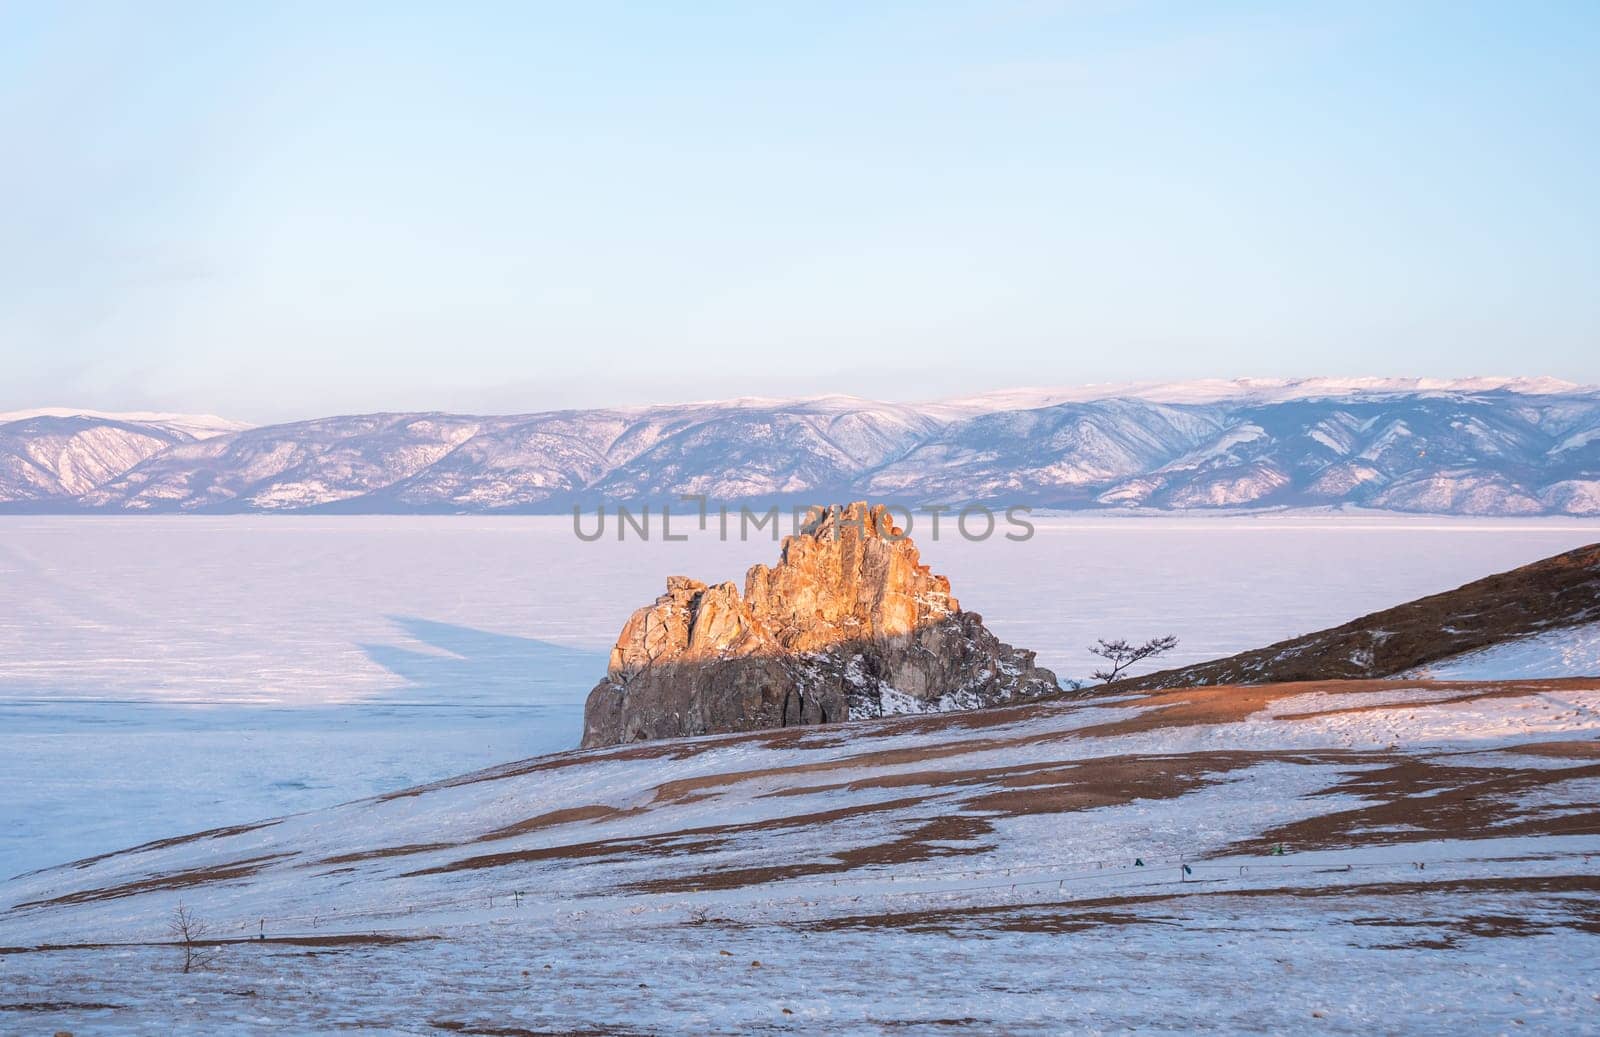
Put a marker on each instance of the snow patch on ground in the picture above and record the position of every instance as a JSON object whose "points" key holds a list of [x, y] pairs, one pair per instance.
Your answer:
{"points": [[1568, 652]]}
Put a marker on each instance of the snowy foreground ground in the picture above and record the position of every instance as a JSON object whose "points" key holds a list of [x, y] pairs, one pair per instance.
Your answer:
{"points": [[1072, 866]]}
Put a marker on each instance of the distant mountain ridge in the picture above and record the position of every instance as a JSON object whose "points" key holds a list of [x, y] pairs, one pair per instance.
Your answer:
{"points": [[55, 454], [1470, 447]]}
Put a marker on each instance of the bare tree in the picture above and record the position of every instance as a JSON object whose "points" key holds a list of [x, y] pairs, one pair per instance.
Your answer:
{"points": [[1121, 655], [191, 934]]}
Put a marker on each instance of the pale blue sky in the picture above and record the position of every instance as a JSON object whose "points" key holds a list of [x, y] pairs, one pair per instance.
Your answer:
{"points": [[277, 210]]}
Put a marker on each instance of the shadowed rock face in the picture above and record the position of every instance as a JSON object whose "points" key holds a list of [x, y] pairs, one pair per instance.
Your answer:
{"points": [[848, 624]]}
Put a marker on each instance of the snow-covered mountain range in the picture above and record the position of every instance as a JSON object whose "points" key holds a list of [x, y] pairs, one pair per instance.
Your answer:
{"points": [[55, 454], [1475, 446]]}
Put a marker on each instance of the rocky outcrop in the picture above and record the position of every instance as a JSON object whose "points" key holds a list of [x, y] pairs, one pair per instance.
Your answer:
{"points": [[849, 624]]}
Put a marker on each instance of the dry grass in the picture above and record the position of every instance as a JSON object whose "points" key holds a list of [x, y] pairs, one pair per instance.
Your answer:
{"points": [[1414, 800], [1575, 750], [335, 940], [1572, 902], [171, 880], [162, 844]]}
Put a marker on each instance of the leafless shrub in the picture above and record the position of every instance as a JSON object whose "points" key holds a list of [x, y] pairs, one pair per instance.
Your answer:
{"points": [[193, 935], [703, 916], [1121, 655]]}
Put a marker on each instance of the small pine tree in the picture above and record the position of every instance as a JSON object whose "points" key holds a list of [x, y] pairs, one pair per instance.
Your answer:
{"points": [[1121, 655]]}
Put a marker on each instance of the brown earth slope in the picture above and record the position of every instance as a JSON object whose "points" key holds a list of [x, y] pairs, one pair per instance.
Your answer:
{"points": [[1557, 592]]}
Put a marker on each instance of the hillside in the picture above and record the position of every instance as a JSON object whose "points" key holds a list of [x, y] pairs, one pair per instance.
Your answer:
{"points": [[1552, 598], [1474, 446], [1026, 869]]}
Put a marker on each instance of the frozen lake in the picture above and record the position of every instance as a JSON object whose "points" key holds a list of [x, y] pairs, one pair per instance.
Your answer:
{"points": [[166, 674]]}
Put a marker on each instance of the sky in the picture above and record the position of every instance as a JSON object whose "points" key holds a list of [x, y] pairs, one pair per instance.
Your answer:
{"points": [[282, 210]]}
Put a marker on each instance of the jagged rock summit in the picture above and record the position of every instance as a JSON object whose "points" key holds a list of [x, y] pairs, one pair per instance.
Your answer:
{"points": [[849, 624]]}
